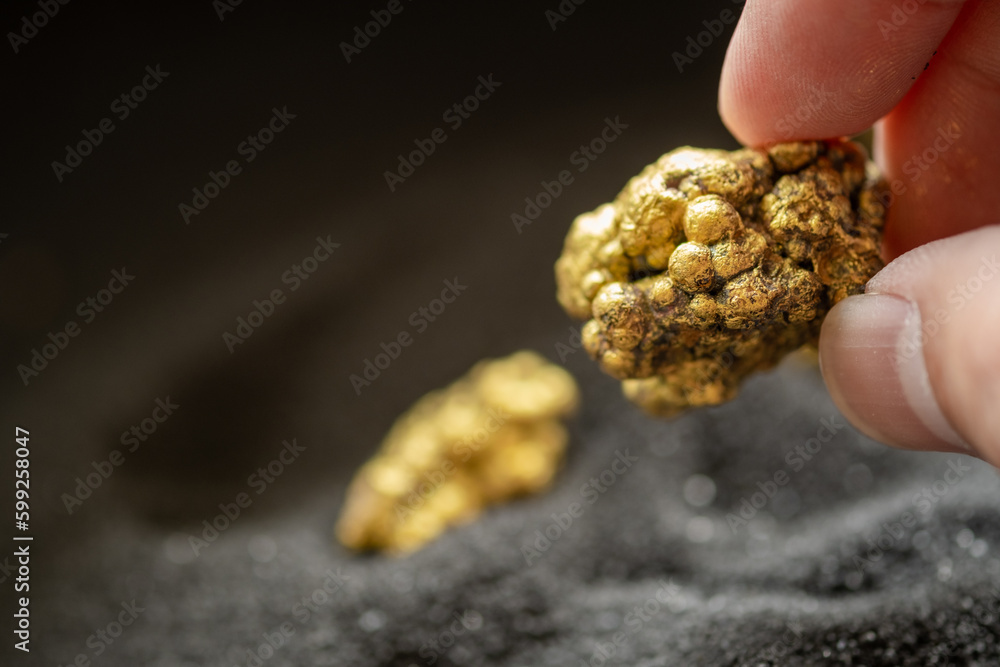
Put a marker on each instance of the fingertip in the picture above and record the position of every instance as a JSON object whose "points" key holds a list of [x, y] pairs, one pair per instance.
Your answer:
{"points": [[736, 75], [796, 70], [877, 379], [914, 362]]}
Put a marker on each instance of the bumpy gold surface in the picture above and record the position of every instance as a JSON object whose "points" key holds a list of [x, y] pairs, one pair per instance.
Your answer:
{"points": [[711, 264], [492, 435]]}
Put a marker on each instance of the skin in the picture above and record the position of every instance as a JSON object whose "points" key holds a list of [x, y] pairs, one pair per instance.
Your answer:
{"points": [[929, 80]]}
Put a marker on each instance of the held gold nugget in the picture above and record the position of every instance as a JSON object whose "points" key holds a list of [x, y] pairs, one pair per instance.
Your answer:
{"points": [[711, 264], [492, 435], [708, 266]]}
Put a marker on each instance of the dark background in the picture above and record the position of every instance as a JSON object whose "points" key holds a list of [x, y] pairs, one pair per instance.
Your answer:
{"points": [[323, 176]]}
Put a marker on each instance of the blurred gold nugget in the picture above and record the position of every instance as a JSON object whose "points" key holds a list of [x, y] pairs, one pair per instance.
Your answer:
{"points": [[712, 264], [492, 435]]}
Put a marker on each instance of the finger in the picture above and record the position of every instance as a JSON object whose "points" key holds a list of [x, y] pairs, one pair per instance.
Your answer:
{"points": [[826, 68], [915, 361], [938, 147]]}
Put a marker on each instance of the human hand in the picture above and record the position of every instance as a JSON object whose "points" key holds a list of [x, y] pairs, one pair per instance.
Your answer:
{"points": [[915, 361]]}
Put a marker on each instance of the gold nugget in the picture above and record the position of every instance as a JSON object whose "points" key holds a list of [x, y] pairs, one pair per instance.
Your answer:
{"points": [[490, 436], [711, 265]]}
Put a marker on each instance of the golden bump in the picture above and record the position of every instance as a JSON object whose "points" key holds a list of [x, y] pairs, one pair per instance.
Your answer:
{"points": [[729, 261]]}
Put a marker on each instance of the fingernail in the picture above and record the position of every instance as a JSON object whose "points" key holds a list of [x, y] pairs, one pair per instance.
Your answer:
{"points": [[872, 359]]}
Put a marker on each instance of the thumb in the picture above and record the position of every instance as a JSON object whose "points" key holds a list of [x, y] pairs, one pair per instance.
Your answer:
{"points": [[915, 361]]}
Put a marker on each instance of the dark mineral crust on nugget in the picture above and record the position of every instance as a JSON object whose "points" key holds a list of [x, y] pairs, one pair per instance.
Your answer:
{"points": [[712, 264]]}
